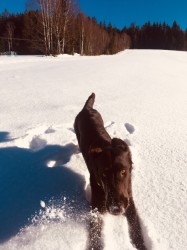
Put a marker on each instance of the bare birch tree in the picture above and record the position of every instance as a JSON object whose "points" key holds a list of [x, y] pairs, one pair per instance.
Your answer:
{"points": [[10, 33], [56, 14], [67, 13], [46, 7], [81, 27], [63, 11]]}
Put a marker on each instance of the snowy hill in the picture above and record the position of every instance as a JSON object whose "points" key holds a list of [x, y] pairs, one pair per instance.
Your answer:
{"points": [[142, 97]]}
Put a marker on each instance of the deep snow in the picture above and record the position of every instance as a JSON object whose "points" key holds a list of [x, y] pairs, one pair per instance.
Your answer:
{"points": [[142, 96]]}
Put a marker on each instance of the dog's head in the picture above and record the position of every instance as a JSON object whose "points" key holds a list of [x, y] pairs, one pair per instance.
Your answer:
{"points": [[112, 169]]}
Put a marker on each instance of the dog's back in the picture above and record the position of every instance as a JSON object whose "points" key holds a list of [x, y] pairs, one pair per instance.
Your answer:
{"points": [[89, 128]]}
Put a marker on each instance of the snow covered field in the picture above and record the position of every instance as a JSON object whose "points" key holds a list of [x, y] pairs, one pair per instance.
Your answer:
{"points": [[142, 97]]}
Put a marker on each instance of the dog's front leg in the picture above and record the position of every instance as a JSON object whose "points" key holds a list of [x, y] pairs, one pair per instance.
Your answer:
{"points": [[95, 241], [98, 196], [95, 228], [134, 227]]}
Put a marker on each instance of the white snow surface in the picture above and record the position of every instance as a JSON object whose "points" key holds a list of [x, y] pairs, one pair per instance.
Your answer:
{"points": [[142, 97]]}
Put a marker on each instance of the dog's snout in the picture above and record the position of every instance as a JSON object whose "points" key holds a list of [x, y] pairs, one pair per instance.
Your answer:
{"points": [[118, 207], [116, 210]]}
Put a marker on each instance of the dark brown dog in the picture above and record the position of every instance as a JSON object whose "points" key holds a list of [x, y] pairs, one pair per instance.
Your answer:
{"points": [[109, 164]]}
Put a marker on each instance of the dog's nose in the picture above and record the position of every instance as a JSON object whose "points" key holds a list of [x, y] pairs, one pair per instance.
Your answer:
{"points": [[115, 210]]}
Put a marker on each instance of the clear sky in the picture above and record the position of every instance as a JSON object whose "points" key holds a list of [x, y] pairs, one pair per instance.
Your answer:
{"points": [[123, 12]]}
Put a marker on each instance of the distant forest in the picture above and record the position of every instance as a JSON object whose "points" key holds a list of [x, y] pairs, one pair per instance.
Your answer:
{"points": [[157, 36], [52, 27]]}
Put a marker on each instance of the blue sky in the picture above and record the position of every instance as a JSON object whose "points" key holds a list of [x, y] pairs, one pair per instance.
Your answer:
{"points": [[123, 12]]}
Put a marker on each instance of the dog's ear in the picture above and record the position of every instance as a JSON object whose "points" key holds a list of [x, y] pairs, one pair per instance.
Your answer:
{"points": [[95, 150], [121, 146], [118, 143]]}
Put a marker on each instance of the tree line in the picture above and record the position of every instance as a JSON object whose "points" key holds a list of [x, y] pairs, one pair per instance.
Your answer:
{"points": [[157, 36], [53, 27]]}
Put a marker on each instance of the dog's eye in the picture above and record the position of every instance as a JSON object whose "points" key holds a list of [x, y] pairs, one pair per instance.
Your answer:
{"points": [[122, 173]]}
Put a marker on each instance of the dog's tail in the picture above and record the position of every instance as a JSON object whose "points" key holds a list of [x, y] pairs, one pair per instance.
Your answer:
{"points": [[90, 102]]}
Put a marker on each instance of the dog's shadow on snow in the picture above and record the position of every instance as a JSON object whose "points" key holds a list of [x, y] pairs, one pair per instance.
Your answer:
{"points": [[25, 180]]}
